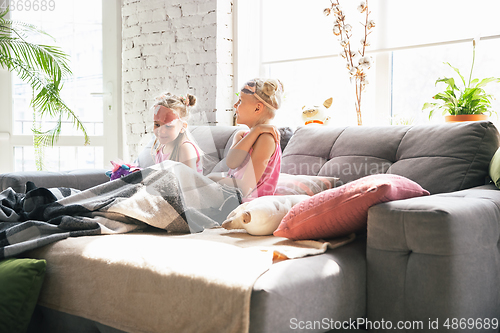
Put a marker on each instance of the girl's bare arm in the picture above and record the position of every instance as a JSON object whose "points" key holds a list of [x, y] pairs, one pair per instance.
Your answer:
{"points": [[263, 149], [241, 146], [187, 155]]}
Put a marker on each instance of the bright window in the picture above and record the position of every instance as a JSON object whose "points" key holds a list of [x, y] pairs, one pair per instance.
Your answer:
{"points": [[414, 85], [76, 27], [93, 92], [409, 44], [59, 158]]}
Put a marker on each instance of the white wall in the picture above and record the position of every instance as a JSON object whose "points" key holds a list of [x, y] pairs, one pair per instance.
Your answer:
{"points": [[176, 46]]}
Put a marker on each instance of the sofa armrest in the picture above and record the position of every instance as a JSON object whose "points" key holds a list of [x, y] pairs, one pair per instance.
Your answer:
{"points": [[78, 179], [435, 257]]}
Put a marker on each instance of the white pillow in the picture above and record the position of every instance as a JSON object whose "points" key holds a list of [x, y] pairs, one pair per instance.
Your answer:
{"points": [[262, 215]]}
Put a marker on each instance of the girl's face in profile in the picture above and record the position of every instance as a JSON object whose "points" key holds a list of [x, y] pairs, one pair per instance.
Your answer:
{"points": [[245, 107]]}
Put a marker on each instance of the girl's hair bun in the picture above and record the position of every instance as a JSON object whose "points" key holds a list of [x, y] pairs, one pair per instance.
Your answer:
{"points": [[178, 103], [270, 86], [192, 99]]}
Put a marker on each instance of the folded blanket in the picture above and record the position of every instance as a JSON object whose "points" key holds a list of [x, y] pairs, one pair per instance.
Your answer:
{"points": [[169, 196]]}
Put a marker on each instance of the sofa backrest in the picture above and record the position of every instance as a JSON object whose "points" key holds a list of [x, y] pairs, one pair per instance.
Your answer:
{"points": [[215, 142], [441, 158]]}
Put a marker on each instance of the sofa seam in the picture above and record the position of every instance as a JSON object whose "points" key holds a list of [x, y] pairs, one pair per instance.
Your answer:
{"points": [[399, 144], [475, 156], [333, 144], [406, 268]]}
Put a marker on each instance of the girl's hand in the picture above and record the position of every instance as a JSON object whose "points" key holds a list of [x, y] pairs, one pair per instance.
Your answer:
{"points": [[237, 137], [265, 128]]}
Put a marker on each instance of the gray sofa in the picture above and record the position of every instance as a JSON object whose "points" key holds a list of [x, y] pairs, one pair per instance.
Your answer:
{"points": [[420, 260]]}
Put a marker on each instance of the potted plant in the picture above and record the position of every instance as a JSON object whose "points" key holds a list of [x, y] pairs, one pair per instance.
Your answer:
{"points": [[469, 102], [43, 67]]}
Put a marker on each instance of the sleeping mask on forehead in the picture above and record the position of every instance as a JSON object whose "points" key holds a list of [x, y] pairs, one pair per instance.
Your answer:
{"points": [[164, 114]]}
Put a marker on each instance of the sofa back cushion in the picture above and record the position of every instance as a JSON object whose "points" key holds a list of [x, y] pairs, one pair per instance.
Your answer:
{"points": [[215, 142], [79, 179], [441, 158]]}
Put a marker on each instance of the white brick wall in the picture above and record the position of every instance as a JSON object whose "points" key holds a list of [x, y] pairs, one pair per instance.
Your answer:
{"points": [[180, 47]]}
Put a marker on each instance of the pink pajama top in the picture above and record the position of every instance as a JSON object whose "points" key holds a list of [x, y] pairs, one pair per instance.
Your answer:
{"points": [[160, 157], [267, 183]]}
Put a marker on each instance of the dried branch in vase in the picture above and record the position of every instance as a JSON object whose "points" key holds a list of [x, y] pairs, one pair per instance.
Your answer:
{"points": [[357, 62]]}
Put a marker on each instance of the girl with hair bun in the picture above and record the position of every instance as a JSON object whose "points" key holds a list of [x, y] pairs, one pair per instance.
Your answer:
{"points": [[254, 159], [173, 140]]}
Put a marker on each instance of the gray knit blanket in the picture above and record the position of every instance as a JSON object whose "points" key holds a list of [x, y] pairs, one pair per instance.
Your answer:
{"points": [[168, 196]]}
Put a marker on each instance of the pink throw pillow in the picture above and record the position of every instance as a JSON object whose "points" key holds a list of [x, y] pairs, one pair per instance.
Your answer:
{"points": [[343, 210]]}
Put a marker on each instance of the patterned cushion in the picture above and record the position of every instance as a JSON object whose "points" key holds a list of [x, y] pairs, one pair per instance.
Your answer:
{"points": [[300, 184]]}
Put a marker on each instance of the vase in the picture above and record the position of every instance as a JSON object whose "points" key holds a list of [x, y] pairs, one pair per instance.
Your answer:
{"points": [[465, 117]]}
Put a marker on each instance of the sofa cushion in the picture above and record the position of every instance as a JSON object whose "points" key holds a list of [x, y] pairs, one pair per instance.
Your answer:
{"points": [[343, 210], [441, 158], [223, 144], [80, 179], [286, 134], [145, 159], [20, 284]]}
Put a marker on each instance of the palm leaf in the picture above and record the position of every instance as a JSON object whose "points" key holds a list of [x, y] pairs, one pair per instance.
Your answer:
{"points": [[43, 68], [50, 101], [47, 59], [17, 26], [13, 43], [47, 101], [47, 138]]}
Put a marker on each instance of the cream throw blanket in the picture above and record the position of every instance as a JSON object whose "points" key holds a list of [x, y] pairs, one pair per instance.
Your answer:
{"points": [[154, 282]]}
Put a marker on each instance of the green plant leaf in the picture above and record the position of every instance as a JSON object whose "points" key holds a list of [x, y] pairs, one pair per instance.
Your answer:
{"points": [[472, 99], [487, 80], [458, 72], [447, 96], [473, 82], [43, 67], [428, 105], [449, 81]]}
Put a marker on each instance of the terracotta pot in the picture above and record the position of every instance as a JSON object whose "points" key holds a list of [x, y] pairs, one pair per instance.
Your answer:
{"points": [[465, 117]]}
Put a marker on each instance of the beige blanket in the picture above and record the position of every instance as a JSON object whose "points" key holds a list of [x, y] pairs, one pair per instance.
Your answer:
{"points": [[155, 282]]}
